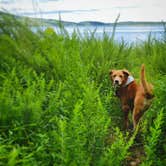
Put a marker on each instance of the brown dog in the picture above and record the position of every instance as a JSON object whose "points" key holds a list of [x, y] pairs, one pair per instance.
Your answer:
{"points": [[133, 96]]}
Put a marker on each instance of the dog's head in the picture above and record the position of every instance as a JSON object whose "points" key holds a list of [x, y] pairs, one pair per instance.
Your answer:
{"points": [[119, 77]]}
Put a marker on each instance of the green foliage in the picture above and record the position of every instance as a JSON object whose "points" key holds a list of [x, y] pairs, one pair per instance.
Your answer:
{"points": [[57, 106], [118, 150], [154, 135], [152, 141]]}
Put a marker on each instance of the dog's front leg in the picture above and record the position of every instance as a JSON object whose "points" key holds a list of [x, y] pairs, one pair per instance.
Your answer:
{"points": [[126, 110]]}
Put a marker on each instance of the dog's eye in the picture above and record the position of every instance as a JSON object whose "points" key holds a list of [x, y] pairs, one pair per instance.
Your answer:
{"points": [[120, 76], [114, 76]]}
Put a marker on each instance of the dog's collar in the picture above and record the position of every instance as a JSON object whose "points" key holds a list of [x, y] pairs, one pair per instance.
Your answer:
{"points": [[130, 79]]}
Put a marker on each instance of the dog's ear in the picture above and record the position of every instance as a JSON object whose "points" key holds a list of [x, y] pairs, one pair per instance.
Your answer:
{"points": [[126, 72], [110, 72]]}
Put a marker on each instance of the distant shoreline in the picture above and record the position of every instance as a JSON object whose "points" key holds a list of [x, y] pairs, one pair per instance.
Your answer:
{"points": [[53, 22]]}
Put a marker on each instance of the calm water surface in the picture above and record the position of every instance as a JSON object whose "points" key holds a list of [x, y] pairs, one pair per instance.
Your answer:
{"points": [[130, 33]]}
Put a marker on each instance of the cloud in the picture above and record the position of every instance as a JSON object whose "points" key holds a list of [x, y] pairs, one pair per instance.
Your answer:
{"points": [[79, 10], [57, 12], [126, 7], [47, 0], [6, 2]]}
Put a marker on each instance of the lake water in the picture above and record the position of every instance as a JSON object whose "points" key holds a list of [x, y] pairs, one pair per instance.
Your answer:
{"points": [[129, 33]]}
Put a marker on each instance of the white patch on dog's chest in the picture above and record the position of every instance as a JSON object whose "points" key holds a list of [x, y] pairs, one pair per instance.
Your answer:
{"points": [[129, 80]]}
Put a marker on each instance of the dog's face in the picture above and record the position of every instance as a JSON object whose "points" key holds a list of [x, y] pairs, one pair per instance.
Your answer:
{"points": [[119, 77]]}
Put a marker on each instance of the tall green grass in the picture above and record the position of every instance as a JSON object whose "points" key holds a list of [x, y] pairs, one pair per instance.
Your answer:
{"points": [[57, 106]]}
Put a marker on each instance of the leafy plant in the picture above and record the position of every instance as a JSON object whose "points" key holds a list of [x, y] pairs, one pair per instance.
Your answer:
{"points": [[57, 105]]}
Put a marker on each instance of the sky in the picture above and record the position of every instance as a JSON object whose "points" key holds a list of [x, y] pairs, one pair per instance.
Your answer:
{"points": [[88, 10]]}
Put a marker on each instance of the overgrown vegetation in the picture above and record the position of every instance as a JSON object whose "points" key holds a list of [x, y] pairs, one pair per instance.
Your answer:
{"points": [[57, 106]]}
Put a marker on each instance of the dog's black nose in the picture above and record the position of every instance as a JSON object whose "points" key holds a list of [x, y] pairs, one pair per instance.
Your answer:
{"points": [[116, 82]]}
